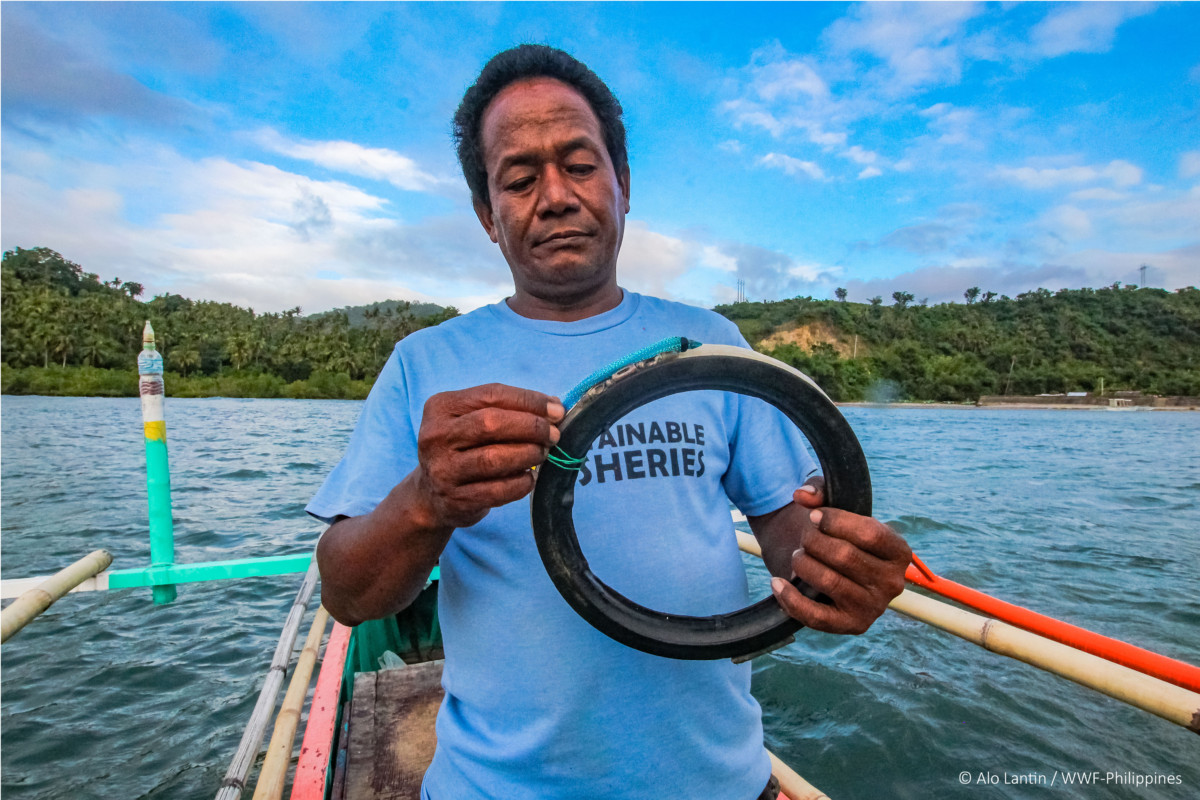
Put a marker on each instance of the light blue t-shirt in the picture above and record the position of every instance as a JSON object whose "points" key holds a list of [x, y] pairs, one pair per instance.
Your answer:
{"points": [[539, 705]]}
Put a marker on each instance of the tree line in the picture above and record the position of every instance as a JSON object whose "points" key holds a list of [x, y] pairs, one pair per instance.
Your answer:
{"points": [[64, 327], [66, 331], [1135, 339]]}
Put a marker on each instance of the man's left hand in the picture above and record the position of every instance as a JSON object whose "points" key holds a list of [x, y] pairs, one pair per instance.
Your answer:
{"points": [[857, 562]]}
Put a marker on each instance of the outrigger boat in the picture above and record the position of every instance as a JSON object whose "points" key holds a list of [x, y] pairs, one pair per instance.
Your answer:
{"points": [[369, 728]]}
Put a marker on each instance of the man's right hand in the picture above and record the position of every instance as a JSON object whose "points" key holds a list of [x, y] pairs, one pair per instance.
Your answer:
{"points": [[477, 448]]}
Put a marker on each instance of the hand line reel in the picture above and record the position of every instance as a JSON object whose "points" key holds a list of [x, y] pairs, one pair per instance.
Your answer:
{"points": [[739, 634]]}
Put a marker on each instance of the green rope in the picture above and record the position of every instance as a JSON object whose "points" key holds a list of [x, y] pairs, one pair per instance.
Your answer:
{"points": [[672, 344], [561, 458]]}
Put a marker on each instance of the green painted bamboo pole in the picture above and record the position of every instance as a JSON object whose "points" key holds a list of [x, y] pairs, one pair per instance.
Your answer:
{"points": [[158, 474], [208, 571], [37, 600]]}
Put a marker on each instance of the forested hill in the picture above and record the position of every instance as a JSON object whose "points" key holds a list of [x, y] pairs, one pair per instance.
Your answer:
{"points": [[55, 314], [1038, 342], [65, 331]]}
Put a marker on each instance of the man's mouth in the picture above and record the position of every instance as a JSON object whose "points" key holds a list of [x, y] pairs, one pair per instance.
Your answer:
{"points": [[563, 236]]}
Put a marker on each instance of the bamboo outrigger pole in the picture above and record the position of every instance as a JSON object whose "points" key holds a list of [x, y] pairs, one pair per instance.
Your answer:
{"points": [[273, 775], [38, 599], [791, 784], [235, 778], [158, 474], [1159, 666], [1173, 703]]}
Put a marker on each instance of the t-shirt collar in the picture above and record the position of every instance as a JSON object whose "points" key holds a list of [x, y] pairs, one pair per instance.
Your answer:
{"points": [[607, 319]]}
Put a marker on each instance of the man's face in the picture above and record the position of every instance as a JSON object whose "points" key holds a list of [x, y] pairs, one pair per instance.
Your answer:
{"points": [[558, 206]]}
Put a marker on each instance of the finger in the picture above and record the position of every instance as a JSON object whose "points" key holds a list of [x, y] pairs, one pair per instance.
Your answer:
{"points": [[492, 493], [498, 395], [812, 493], [866, 533], [844, 592], [494, 425], [816, 615], [495, 461], [846, 559]]}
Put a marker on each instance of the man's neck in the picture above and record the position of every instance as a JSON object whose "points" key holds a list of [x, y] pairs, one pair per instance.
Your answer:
{"points": [[557, 310]]}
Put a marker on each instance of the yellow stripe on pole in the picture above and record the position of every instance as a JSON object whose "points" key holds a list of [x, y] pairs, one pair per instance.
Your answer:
{"points": [[156, 431], [35, 601]]}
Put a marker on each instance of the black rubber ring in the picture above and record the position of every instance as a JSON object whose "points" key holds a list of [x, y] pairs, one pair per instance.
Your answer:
{"points": [[740, 633]]}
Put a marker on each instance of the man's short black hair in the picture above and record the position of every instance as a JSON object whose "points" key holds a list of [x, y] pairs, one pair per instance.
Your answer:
{"points": [[518, 64]]}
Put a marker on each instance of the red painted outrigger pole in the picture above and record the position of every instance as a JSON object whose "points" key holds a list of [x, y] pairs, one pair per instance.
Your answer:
{"points": [[1158, 666], [316, 749]]}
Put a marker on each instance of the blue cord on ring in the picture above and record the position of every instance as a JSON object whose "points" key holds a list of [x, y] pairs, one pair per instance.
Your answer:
{"points": [[672, 344]]}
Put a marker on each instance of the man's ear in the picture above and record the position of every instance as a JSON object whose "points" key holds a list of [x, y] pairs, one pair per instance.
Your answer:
{"points": [[484, 212], [623, 182]]}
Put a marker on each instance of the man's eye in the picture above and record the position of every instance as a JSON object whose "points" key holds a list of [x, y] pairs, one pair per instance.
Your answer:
{"points": [[581, 169], [519, 185]]}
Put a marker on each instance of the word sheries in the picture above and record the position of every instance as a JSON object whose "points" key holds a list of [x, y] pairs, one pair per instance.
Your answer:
{"points": [[680, 452]]}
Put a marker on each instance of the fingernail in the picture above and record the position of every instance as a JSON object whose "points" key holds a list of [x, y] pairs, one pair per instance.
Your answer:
{"points": [[807, 489], [797, 553], [815, 515], [555, 411], [777, 585], [554, 435]]}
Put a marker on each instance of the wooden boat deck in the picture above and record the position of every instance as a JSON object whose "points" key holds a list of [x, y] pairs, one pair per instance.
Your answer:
{"points": [[391, 734]]}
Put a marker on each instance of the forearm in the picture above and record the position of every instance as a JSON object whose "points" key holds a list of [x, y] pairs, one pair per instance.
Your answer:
{"points": [[376, 564]]}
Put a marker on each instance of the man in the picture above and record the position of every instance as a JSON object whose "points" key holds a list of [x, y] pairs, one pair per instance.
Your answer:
{"points": [[538, 704]]}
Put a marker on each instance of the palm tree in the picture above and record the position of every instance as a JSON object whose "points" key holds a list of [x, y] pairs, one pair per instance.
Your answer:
{"points": [[184, 358]]}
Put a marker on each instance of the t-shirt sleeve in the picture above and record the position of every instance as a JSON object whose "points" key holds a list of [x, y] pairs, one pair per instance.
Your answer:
{"points": [[769, 458], [382, 451]]}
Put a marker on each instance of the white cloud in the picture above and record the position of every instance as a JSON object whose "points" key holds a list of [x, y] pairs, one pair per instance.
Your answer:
{"points": [[1082, 27], [243, 232], [745, 113], [650, 260], [712, 257], [919, 43], [792, 166], [1098, 193], [1067, 222], [1189, 164], [376, 163], [787, 80], [824, 138], [870, 172], [860, 156], [951, 125], [1119, 173]]}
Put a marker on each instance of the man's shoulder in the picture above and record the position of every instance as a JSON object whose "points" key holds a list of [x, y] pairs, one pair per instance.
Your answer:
{"points": [[694, 321], [447, 333]]}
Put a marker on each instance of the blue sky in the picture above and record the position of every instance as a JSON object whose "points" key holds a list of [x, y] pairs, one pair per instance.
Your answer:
{"points": [[278, 154]]}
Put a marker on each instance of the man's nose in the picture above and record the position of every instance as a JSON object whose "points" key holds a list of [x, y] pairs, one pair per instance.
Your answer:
{"points": [[557, 194]]}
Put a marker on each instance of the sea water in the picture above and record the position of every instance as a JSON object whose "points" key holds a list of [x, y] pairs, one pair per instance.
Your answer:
{"points": [[1089, 516]]}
